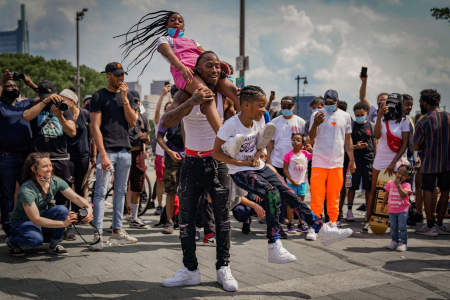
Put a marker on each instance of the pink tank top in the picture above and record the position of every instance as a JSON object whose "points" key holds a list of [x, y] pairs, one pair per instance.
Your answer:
{"points": [[186, 51]]}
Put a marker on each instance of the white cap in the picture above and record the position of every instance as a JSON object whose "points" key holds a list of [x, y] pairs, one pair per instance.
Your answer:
{"points": [[69, 94]]}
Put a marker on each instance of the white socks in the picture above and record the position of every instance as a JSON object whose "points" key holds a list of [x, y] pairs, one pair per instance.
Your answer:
{"points": [[134, 211]]}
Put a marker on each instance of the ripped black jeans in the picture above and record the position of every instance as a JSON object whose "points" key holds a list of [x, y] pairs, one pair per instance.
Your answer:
{"points": [[200, 175], [271, 187]]}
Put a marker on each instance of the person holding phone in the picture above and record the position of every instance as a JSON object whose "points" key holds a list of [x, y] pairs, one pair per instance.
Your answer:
{"points": [[364, 153], [381, 98]]}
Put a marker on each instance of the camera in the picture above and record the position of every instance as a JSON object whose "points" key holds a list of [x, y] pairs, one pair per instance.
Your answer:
{"points": [[18, 76], [82, 213], [61, 106]]}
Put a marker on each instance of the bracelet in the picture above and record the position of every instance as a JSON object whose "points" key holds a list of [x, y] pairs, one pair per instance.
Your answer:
{"points": [[126, 102]]}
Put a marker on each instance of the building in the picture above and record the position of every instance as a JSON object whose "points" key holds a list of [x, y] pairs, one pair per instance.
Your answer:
{"points": [[157, 85], [302, 108], [16, 41], [150, 104], [135, 86]]}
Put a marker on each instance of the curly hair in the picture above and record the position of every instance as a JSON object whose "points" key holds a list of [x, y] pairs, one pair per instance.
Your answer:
{"points": [[431, 97]]}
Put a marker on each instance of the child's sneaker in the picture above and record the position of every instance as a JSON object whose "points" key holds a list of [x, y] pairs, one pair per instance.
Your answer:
{"points": [[209, 239], [233, 145], [279, 255], [302, 228], [290, 228], [350, 217], [393, 245], [402, 248], [330, 233], [311, 235], [265, 136]]}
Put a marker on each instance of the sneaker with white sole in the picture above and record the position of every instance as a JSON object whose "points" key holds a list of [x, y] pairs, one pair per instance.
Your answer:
{"points": [[226, 279], [97, 243], [183, 277], [393, 245], [122, 238], [350, 217], [401, 248], [138, 223], [425, 230], [330, 233], [279, 255], [444, 229], [265, 136], [311, 235], [232, 146]]}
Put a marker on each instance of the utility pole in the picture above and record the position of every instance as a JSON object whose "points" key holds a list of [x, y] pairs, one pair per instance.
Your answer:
{"points": [[305, 82], [78, 18], [242, 37]]}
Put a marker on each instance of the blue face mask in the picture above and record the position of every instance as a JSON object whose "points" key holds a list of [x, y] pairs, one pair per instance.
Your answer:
{"points": [[286, 112], [360, 120], [329, 108], [173, 31]]}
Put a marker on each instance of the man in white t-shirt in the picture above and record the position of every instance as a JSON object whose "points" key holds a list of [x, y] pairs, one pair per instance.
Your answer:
{"points": [[286, 124], [331, 131]]}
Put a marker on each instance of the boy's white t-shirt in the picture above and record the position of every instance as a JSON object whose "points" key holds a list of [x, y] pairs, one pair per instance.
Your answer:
{"points": [[283, 137], [328, 151], [234, 126], [384, 154]]}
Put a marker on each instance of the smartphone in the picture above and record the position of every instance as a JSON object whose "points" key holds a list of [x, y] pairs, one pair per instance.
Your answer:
{"points": [[364, 72]]}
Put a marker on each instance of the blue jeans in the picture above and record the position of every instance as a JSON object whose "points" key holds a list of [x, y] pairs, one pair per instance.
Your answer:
{"points": [[26, 235], [10, 169], [120, 165], [242, 213], [398, 225]]}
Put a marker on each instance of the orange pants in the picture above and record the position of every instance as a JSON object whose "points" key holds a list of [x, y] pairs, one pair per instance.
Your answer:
{"points": [[326, 182]]}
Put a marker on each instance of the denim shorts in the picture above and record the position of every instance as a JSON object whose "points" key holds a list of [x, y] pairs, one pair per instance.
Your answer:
{"points": [[299, 190]]}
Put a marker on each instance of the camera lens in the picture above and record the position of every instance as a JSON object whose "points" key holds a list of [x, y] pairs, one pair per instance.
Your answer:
{"points": [[62, 106]]}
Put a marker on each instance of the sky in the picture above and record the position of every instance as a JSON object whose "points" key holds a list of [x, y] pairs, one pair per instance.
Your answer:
{"points": [[403, 46]]}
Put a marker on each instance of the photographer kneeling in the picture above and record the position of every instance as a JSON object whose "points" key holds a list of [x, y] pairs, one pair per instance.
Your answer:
{"points": [[35, 219]]}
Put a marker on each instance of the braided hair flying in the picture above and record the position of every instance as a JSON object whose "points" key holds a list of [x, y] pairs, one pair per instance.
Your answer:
{"points": [[143, 37]]}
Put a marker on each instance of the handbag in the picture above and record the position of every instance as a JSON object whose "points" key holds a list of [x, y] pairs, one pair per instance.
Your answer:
{"points": [[394, 143]]}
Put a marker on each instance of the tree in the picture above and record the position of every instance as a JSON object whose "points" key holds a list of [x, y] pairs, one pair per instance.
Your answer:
{"points": [[56, 70], [441, 13]]}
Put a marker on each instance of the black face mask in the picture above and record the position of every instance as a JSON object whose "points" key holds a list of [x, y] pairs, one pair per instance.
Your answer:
{"points": [[423, 110], [10, 96]]}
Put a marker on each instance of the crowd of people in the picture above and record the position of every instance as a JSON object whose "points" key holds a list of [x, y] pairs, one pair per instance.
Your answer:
{"points": [[220, 151]]}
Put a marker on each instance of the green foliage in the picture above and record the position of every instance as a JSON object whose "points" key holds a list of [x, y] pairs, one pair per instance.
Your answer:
{"points": [[60, 72], [441, 13]]}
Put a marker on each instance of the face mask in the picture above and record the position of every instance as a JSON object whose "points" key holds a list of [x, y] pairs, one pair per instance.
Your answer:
{"points": [[42, 178], [286, 112], [330, 108], [11, 95], [360, 120], [175, 32]]}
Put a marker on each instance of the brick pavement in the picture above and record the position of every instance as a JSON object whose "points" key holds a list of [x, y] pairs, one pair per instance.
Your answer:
{"points": [[357, 268]]}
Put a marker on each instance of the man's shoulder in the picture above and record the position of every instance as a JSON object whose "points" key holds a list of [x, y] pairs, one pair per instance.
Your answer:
{"points": [[299, 119]]}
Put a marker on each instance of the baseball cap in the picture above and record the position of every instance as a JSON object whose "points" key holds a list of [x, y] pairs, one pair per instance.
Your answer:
{"points": [[87, 97], [46, 88], [115, 68], [287, 101], [331, 94], [69, 94], [395, 97]]}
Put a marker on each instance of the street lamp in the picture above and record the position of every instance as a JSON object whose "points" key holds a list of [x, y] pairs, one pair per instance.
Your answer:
{"points": [[79, 17], [305, 82]]}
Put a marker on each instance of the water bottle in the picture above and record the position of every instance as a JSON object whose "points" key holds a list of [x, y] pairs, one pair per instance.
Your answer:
{"points": [[348, 180]]}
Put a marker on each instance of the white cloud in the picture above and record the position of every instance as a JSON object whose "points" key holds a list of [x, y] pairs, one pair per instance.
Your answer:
{"points": [[69, 13], [366, 12], [143, 4]]}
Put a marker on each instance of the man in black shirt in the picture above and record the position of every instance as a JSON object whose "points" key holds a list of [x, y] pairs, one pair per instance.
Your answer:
{"points": [[111, 117], [364, 152], [52, 126]]}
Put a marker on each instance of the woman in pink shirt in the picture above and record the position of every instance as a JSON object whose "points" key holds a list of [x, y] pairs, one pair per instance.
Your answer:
{"points": [[397, 199]]}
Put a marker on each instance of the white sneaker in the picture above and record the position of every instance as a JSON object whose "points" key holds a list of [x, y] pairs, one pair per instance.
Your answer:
{"points": [[182, 278], [330, 233], [311, 235], [123, 238], [226, 279], [401, 248], [279, 255], [433, 231], [233, 145], [444, 230], [350, 216], [393, 245], [98, 240], [265, 136]]}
